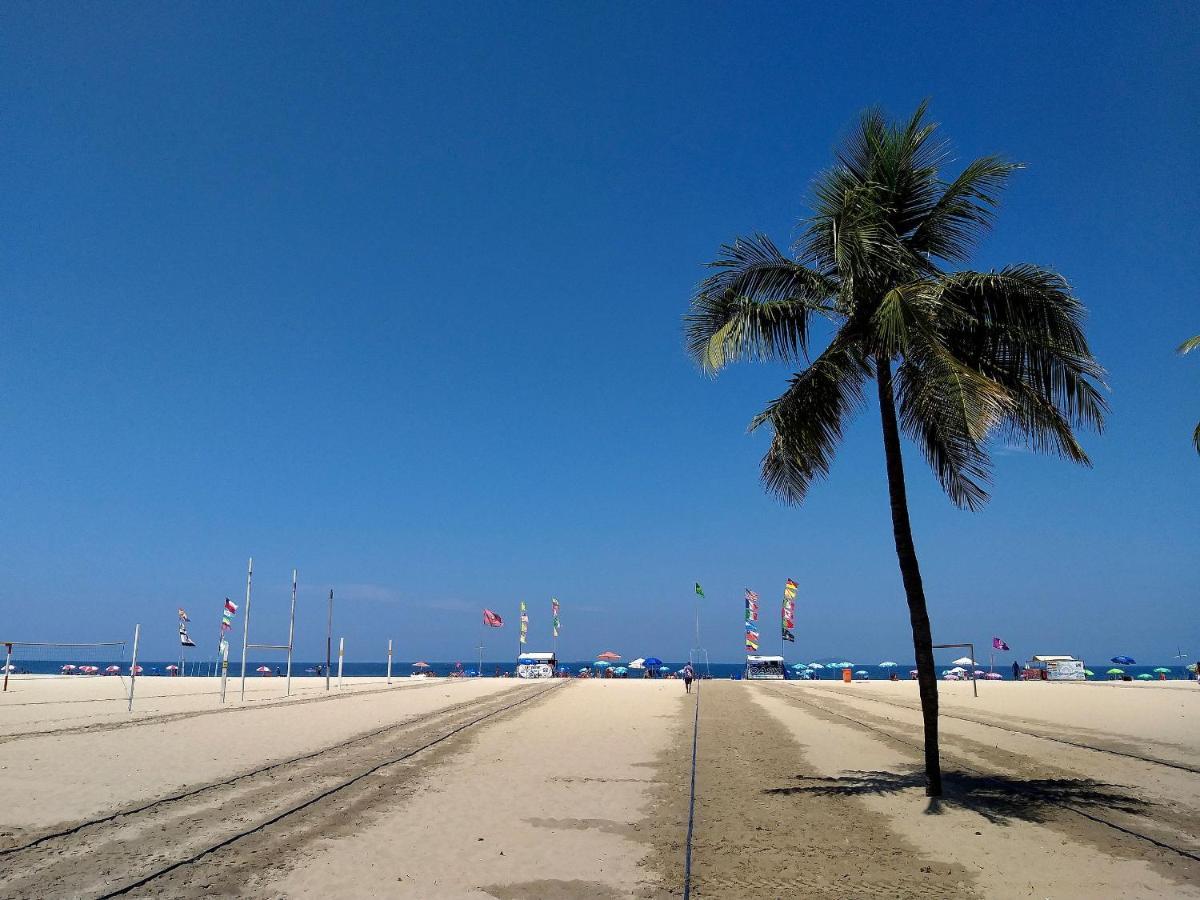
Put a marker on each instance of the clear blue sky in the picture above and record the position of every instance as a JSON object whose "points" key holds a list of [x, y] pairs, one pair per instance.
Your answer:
{"points": [[392, 293]]}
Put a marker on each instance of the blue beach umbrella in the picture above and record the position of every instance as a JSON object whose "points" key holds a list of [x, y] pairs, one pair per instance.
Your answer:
{"points": [[602, 664], [1124, 660], [621, 670], [653, 663], [815, 665], [800, 667], [888, 664]]}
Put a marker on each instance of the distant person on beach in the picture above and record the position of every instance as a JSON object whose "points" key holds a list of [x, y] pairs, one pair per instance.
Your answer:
{"points": [[688, 674], [1016, 671]]}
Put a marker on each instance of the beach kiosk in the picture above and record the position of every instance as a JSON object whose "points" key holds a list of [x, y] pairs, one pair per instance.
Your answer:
{"points": [[765, 668], [1053, 668], [536, 665]]}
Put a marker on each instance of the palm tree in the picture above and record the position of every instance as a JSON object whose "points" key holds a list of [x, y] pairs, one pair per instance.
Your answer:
{"points": [[957, 357], [1187, 347]]}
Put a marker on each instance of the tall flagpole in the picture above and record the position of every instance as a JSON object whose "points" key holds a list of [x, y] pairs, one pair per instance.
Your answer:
{"points": [[246, 623]]}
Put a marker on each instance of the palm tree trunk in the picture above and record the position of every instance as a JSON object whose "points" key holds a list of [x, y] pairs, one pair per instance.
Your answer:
{"points": [[910, 572]]}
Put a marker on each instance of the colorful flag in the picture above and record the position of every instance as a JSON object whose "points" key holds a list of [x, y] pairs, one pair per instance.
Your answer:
{"points": [[554, 611], [998, 644], [183, 615], [184, 640], [491, 619], [751, 606], [751, 640], [524, 622], [699, 590], [789, 611], [227, 614]]}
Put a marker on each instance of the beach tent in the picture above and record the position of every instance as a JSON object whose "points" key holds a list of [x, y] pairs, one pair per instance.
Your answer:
{"points": [[1124, 660]]}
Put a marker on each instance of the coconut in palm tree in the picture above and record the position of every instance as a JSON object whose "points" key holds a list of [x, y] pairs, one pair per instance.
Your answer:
{"points": [[957, 358]]}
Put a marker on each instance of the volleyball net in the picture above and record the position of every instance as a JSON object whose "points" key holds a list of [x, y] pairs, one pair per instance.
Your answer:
{"points": [[28, 660]]}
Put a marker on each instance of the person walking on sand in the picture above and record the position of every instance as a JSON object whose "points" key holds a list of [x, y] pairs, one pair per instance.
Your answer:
{"points": [[688, 674]]}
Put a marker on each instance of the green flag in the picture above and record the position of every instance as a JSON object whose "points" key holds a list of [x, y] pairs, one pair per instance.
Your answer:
{"points": [[699, 590]]}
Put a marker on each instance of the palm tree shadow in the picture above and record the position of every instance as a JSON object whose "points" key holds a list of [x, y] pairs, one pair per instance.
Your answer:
{"points": [[1000, 799]]}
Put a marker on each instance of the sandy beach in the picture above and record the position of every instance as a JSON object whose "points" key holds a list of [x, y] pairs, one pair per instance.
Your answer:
{"points": [[578, 789]]}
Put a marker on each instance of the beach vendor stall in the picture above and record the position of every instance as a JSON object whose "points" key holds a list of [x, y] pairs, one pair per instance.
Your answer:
{"points": [[765, 668], [1053, 668], [536, 665]]}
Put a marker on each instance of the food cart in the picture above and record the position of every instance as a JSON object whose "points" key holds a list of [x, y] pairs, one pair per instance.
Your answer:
{"points": [[765, 668], [536, 665], [1053, 668]]}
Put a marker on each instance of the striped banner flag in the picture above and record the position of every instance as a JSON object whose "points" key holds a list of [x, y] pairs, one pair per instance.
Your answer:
{"points": [[789, 611], [554, 614]]}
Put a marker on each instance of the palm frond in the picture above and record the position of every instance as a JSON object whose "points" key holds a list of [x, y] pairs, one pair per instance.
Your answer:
{"points": [[1189, 345], [1023, 328], [807, 420], [951, 227], [756, 306]]}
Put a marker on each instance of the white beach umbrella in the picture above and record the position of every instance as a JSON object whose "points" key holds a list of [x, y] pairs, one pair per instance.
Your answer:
{"points": [[958, 670], [965, 661], [638, 663], [815, 665], [888, 664]]}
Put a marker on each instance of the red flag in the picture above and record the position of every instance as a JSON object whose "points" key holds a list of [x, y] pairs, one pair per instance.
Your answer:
{"points": [[491, 619]]}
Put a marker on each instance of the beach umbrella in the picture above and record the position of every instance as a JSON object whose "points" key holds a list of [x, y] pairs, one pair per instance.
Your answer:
{"points": [[799, 667], [978, 672], [420, 665], [1115, 672], [914, 672], [993, 676], [888, 664], [861, 672], [266, 670], [1145, 676], [1163, 669], [8, 668], [1124, 660], [603, 664], [113, 669], [815, 665], [68, 668], [638, 663], [471, 672], [620, 670], [136, 669], [90, 669], [1088, 672], [609, 655], [172, 668], [653, 662], [958, 670], [965, 661]]}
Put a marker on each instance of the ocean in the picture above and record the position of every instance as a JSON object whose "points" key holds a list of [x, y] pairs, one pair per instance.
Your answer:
{"points": [[151, 668]]}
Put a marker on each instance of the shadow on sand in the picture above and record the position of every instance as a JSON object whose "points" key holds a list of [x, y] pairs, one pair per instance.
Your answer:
{"points": [[999, 799]]}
